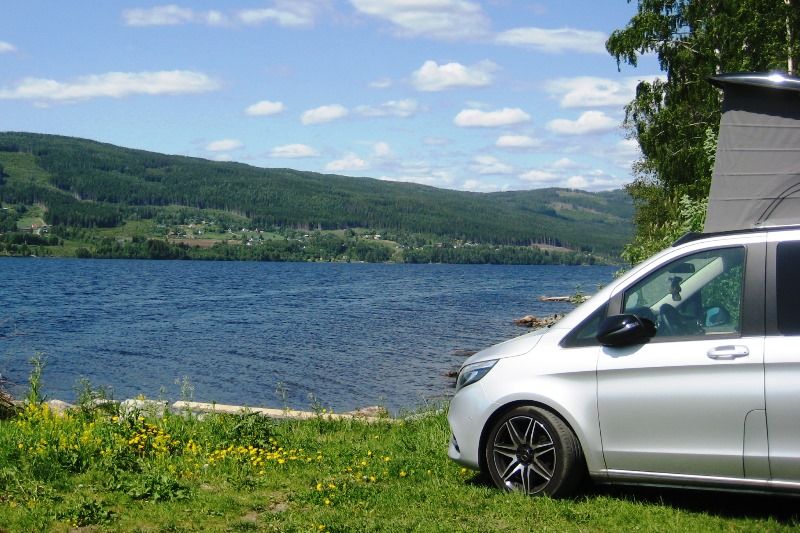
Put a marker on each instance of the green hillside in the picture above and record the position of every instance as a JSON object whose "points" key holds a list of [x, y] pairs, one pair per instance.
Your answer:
{"points": [[87, 190]]}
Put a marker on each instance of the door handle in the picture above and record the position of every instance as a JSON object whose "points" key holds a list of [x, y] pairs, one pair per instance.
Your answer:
{"points": [[728, 352]]}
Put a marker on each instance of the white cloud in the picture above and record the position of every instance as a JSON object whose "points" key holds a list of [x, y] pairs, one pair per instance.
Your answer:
{"points": [[214, 18], [588, 122], [382, 150], [590, 91], [434, 77], [489, 119], [292, 151], [562, 173], [577, 182], [394, 108], [224, 145], [479, 186], [439, 19], [625, 152], [565, 163], [517, 142], [286, 13], [290, 18], [425, 176], [325, 113], [382, 83], [348, 162], [169, 15], [486, 164], [7, 47], [540, 176], [111, 85], [264, 108], [222, 157], [555, 41]]}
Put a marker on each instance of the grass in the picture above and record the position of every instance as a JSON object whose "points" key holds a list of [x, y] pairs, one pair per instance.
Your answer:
{"points": [[101, 470]]}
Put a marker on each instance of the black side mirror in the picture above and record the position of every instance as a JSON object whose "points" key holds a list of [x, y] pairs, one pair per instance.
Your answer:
{"points": [[625, 330]]}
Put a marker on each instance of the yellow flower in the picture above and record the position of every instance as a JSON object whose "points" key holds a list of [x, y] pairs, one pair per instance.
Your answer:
{"points": [[403, 473], [327, 501]]}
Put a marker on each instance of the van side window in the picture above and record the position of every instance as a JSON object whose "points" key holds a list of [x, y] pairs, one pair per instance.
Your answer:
{"points": [[788, 287], [696, 295], [585, 333]]}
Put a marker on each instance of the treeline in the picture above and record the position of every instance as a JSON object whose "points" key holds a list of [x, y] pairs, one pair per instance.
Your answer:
{"points": [[675, 117], [322, 247], [103, 184], [496, 255]]}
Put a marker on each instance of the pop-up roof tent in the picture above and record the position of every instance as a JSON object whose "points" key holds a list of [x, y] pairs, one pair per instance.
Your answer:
{"points": [[756, 178]]}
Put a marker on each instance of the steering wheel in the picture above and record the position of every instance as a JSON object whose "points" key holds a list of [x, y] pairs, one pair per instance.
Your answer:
{"points": [[669, 321]]}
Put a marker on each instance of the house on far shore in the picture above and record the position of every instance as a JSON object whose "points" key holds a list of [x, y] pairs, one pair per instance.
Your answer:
{"points": [[36, 229]]}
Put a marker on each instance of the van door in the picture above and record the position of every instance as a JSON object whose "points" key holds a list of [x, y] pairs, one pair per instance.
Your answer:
{"points": [[782, 356], [679, 403]]}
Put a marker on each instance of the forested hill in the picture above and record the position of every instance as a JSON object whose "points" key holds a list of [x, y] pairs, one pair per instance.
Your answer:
{"points": [[82, 183]]}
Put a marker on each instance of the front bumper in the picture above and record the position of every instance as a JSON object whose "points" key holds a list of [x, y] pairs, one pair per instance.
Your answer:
{"points": [[466, 418]]}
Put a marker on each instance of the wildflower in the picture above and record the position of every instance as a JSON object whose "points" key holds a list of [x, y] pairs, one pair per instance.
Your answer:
{"points": [[403, 473], [327, 501]]}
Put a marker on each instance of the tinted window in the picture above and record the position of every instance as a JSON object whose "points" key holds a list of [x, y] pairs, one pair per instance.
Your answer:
{"points": [[788, 285], [700, 294], [584, 334]]}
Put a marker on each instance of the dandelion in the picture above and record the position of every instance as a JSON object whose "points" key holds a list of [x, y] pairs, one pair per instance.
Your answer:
{"points": [[403, 473], [327, 501]]}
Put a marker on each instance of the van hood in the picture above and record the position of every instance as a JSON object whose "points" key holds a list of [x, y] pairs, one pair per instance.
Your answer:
{"points": [[510, 348]]}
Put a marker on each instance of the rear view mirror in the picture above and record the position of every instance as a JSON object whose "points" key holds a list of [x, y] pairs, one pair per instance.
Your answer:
{"points": [[625, 330], [682, 268]]}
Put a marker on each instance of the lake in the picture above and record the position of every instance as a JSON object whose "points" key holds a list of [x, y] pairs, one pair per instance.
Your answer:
{"points": [[265, 334]]}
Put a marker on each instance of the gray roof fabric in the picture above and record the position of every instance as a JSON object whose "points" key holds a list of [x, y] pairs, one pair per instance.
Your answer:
{"points": [[756, 178]]}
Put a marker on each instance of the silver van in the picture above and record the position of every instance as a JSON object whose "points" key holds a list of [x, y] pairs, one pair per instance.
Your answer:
{"points": [[686, 370]]}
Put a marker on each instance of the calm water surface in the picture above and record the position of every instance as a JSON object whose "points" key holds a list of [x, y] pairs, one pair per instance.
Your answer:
{"points": [[350, 334]]}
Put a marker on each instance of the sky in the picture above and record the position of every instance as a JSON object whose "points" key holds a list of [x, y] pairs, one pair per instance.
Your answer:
{"points": [[474, 95]]}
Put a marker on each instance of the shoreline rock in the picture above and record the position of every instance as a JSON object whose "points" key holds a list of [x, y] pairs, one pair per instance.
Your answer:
{"points": [[530, 321]]}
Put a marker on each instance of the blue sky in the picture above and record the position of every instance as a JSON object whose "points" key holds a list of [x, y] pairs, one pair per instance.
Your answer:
{"points": [[472, 95]]}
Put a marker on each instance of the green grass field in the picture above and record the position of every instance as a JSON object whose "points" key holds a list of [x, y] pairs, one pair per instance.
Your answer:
{"points": [[92, 470]]}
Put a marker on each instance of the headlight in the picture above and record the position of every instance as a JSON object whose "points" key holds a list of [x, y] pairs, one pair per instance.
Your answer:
{"points": [[472, 373]]}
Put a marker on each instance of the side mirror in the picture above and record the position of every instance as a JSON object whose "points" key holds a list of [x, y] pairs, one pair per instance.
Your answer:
{"points": [[625, 330]]}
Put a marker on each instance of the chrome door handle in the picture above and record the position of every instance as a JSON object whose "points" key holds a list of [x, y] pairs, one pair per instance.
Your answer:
{"points": [[728, 352]]}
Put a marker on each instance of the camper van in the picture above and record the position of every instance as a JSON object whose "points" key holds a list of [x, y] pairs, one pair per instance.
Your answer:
{"points": [[686, 370]]}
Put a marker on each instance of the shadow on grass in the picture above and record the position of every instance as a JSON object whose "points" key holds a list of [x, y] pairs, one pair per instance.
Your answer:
{"points": [[781, 508]]}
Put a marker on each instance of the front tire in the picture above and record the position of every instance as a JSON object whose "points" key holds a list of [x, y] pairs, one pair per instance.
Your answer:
{"points": [[533, 451]]}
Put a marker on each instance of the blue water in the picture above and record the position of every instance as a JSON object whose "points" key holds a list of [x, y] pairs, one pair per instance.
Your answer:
{"points": [[351, 335]]}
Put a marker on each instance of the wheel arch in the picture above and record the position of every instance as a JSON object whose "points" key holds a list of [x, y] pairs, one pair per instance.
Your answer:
{"points": [[505, 408]]}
